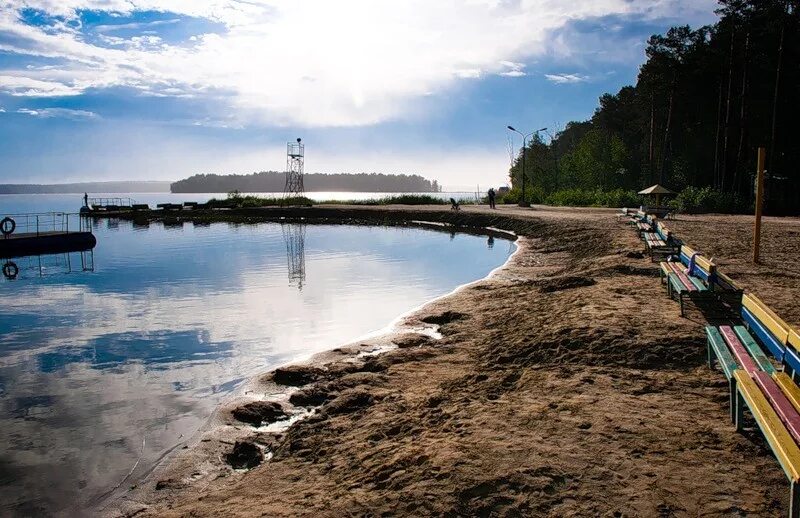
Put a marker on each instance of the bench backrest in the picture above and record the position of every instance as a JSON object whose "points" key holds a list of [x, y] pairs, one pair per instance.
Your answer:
{"points": [[726, 283], [703, 267], [663, 231], [794, 339], [769, 328]]}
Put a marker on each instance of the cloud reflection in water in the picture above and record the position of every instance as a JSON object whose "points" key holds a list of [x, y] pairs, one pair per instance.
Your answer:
{"points": [[173, 320]]}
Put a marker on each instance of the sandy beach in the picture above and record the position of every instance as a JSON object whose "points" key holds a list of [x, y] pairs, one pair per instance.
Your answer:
{"points": [[565, 384]]}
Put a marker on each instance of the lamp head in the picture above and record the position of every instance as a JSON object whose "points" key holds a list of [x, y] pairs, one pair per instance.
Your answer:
{"points": [[298, 140], [511, 128]]}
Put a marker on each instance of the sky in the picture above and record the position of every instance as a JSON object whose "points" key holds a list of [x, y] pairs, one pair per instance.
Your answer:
{"points": [[95, 90]]}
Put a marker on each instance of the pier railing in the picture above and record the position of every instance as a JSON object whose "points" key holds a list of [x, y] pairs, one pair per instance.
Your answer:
{"points": [[46, 223], [111, 202]]}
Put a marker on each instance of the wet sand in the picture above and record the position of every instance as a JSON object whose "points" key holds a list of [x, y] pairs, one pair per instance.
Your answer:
{"points": [[566, 384]]}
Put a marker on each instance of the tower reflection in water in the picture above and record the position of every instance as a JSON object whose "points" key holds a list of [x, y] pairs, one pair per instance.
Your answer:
{"points": [[294, 236]]}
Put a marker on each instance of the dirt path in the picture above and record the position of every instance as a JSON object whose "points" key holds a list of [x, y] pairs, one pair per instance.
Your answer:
{"points": [[566, 385]]}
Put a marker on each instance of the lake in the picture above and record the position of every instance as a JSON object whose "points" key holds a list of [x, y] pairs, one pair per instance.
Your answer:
{"points": [[16, 203], [125, 351]]}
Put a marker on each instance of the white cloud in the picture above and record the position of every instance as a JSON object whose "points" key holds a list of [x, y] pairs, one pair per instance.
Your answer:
{"points": [[562, 79], [369, 60], [512, 69], [30, 87], [66, 113], [133, 26]]}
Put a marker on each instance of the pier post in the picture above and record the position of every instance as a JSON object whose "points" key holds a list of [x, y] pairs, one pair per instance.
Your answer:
{"points": [[762, 157]]}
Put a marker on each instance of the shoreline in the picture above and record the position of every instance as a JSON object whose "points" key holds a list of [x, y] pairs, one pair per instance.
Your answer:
{"points": [[565, 384], [113, 503]]}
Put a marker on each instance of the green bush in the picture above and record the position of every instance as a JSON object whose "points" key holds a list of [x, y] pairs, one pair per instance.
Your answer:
{"points": [[698, 200], [593, 198], [236, 200], [400, 199], [532, 195]]}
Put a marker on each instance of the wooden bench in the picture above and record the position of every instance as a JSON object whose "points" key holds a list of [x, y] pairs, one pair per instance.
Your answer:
{"points": [[777, 336], [780, 440], [685, 282], [660, 242], [771, 395], [716, 284]]}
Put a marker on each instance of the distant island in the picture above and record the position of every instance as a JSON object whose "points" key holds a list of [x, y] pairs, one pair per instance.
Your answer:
{"points": [[82, 187], [273, 181]]}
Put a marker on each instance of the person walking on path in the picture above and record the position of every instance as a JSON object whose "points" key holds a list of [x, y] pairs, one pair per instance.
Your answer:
{"points": [[491, 198]]}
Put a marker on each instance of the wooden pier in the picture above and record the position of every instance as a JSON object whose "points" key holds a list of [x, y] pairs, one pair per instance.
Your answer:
{"points": [[46, 233]]}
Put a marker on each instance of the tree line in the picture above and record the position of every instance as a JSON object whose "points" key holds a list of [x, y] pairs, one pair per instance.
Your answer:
{"points": [[704, 100], [273, 181]]}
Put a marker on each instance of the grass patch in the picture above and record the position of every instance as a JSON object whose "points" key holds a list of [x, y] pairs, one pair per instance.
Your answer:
{"points": [[236, 200], [400, 199]]}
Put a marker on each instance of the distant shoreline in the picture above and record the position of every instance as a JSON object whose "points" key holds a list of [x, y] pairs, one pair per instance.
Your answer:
{"points": [[152, 187]]}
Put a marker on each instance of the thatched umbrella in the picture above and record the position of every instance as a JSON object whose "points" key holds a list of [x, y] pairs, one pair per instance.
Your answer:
{"points": [[658, 191]]}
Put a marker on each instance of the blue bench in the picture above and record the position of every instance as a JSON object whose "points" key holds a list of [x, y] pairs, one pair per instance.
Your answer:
{"points": [[769, 393], [697, 277]]}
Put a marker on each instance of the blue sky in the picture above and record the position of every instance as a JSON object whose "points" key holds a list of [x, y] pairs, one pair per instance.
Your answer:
{"points": [[162, 89]]}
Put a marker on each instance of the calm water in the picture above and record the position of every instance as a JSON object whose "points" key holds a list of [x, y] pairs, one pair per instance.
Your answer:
{"points": [[167, 322]]}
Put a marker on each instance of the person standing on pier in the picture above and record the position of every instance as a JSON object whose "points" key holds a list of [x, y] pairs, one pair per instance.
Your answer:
{"points": [[86, 199]]}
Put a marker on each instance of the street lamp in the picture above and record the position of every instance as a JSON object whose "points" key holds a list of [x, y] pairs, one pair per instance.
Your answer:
{"points": [[522, 202]]}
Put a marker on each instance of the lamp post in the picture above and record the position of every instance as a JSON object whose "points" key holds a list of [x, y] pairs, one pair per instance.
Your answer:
{"points": [[522, 202]]}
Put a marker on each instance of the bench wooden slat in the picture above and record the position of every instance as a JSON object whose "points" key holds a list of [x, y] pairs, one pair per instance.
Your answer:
{"points": [[675, 282], [698, 284], [679, 284], [768, 318], [758, 328], [789, 388], [769, 311], [724, 357], [687, 281], [727, 283], [700, 260], [780, 403], [794, 339], [779, 439], [755, 351], [738, 350], [670, 267], [791, 358]]}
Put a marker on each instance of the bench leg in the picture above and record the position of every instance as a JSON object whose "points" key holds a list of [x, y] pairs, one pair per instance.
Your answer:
{"points": [[794, 500], [681, 297], [710, 351], [733, 399], [739, 412]]}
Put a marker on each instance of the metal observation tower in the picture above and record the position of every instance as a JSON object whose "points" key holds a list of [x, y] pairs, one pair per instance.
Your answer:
{"points": [[295, 154]]}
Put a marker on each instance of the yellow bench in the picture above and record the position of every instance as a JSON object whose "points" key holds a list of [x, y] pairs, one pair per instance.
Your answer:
{"points": [[780, 441], [770, 329]]}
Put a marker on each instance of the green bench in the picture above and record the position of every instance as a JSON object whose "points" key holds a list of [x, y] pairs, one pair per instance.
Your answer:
{"points": [[770, 394]]}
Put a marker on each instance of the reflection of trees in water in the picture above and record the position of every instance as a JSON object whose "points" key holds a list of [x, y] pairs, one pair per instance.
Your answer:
{"points": [[294, 236]]}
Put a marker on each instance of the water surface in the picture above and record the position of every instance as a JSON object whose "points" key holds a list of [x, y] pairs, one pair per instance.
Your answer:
{"points": [[138, 341]]}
